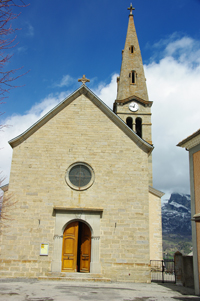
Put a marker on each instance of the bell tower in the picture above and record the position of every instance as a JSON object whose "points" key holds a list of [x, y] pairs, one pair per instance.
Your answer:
{"points": [[132, 104]]}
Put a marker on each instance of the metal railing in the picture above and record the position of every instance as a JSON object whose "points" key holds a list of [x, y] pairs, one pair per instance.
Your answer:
{"points": [[163, 271]]}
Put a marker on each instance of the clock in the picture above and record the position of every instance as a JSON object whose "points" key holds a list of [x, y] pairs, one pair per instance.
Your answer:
{"points": [[133, 106]]}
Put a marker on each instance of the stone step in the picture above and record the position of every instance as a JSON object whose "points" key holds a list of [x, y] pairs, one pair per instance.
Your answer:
{"points": [[75, 277], [83, 279]]}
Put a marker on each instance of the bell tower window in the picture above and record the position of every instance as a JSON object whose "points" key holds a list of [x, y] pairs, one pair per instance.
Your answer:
{"points": [[129, 122], [131, 49], [138, 126], [132, 76]]}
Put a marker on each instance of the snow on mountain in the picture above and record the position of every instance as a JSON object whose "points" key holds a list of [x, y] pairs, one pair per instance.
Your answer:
{"points": [[179, 207], [176, 215]]}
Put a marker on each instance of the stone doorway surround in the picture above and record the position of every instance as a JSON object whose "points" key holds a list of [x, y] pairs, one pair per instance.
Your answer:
{"points": [[64, 216]]}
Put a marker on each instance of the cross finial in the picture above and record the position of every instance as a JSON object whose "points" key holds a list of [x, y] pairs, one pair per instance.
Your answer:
{"points": [[83, 79], [131, 8]]}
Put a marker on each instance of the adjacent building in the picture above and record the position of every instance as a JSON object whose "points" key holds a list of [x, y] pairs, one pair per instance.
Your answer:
{"points": [[192, 144]]}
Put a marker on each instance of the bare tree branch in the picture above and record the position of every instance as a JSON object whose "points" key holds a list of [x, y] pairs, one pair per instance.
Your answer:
{"points": [[7, 42]]}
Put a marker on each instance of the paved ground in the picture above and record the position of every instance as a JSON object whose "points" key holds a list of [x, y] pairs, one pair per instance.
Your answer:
{"points": [[34, 290]]}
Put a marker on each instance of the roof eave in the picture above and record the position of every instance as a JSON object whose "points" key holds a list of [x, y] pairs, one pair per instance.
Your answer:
{"points": [[4, 187], [184, 142], [156, 192], [145, 103]]}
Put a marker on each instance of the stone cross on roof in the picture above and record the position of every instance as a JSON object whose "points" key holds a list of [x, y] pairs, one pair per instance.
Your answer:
{"points": [[131, 8], [83, 80]]}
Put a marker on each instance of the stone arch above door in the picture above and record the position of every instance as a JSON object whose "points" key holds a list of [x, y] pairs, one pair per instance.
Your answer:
{"points": [[91, 217], [79, 220]]}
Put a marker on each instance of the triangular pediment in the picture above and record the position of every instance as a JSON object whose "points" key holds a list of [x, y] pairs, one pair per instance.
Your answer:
{"points": [[83, 90]]}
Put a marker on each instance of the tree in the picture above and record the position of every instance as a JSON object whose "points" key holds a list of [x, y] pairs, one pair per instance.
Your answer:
{"points": [[6, 201], [6, 42], [7, 77]]}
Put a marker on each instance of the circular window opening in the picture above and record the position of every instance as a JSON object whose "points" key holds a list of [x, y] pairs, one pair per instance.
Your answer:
{"points": [[80, 176]]}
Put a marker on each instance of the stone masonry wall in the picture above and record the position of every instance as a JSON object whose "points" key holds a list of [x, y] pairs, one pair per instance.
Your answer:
{"points": [[155, 227], [80, 132]]}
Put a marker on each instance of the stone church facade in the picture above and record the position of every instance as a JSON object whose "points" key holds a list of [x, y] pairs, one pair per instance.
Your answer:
{"points": [[81, 182]]}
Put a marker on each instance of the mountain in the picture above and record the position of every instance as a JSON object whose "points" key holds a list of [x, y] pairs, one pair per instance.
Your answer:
{"points": [[176, 215], [176, 224]]}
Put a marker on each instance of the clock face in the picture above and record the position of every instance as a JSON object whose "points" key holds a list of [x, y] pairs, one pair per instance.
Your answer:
{"points": [[133, 106]]}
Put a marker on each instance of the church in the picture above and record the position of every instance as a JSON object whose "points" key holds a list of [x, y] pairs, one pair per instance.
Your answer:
{"points": [[84, 205]]}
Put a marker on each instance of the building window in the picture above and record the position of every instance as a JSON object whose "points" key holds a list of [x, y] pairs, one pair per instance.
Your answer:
{"points": [[138, 126], [79, 176], [129, 122], [132, 76], [131, 49]]}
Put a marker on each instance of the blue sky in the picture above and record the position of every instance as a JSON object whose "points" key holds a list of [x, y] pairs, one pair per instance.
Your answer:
{"points": [[77, 37], [60, 42]]}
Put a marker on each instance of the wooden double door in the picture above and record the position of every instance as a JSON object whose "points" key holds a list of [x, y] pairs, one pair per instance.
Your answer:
{"points": [[76, 251]]}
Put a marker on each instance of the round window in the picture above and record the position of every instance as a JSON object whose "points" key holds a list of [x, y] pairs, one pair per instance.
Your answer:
{"points": [[80, 176]]}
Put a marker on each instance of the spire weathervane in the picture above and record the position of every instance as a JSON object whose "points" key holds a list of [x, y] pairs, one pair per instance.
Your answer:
{"points": [[83, 79], [131, 8]]}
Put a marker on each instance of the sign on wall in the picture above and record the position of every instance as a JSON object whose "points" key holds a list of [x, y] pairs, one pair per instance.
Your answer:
{"points": [[44, 249]]}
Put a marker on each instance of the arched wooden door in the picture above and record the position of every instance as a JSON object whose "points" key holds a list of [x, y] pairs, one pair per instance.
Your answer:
{"points": [[69, 250], [85, 248], [76, 251]]}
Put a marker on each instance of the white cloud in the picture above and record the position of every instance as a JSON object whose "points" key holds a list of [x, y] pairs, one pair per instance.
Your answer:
{"points": [[183, 49], [181, 44], [22, 49], [108, 92], [66, 81], [173, 86], [30, 30], [41, 108]]}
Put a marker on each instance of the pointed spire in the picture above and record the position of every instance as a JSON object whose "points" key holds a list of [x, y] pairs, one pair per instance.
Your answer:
{"points": [[132, 81]]}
